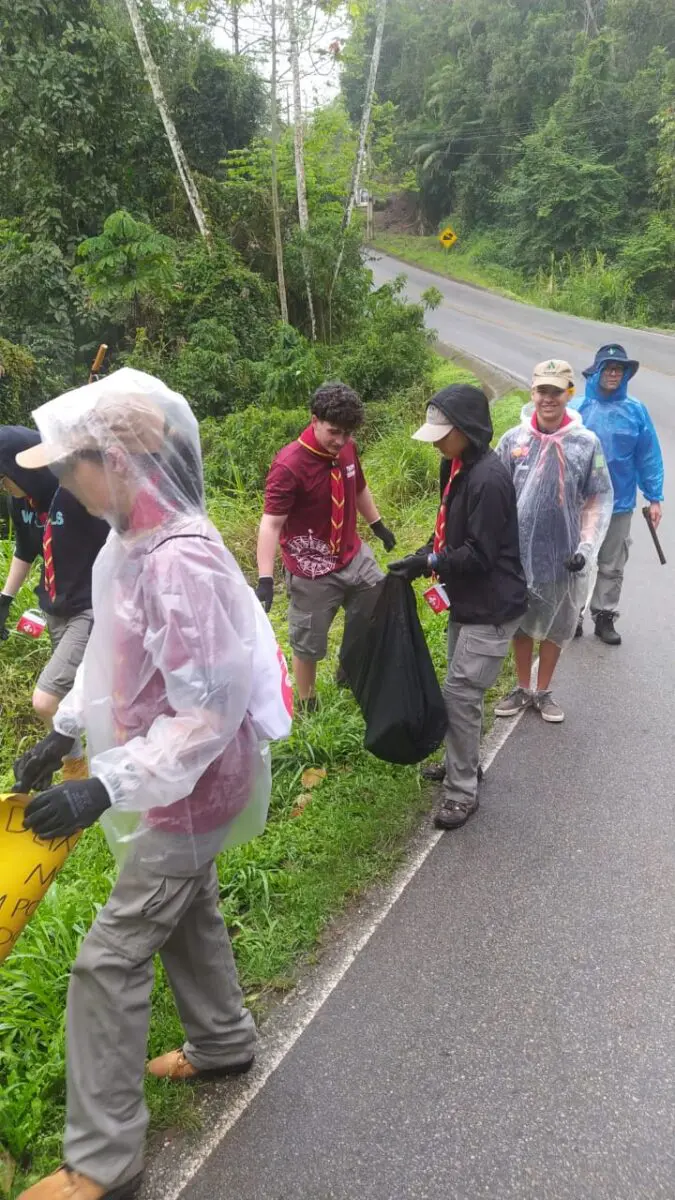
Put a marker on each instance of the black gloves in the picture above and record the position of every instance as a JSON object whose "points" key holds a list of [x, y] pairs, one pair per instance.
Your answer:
{"points": [[411, 567], [265, 591], [385, 535], [576, 563], [5, 605], [36, 768], [66, 808]]}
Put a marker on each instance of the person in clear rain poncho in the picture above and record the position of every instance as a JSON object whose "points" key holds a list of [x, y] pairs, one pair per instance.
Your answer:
{"points": [[565, 503], [181, 688]]}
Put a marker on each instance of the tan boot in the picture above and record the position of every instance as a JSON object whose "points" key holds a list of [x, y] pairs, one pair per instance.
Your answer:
{"points": [[75, 768], [69, 1185], [176, 1067]]}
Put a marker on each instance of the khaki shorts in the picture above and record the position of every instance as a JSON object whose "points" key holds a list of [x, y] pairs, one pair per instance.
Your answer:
{"points": [[314, 602], [69, 637]]}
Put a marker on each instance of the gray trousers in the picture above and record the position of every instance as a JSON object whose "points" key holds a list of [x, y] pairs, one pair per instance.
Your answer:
{"points": [[475, 655], [612, 560], [109, 1010], [314, 603]]}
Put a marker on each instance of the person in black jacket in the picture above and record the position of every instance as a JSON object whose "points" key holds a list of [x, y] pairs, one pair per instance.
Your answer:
{"points": [[49, 523], [475, 556]]}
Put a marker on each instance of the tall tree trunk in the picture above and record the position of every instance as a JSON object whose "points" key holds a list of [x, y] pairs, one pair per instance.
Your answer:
{"points": [[363, 132], [591, 19], [276, 216], [301, 182], [152, 75], [235, 25]]}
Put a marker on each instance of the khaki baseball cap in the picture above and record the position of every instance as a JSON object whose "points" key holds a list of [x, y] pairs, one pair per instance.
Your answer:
{"points": [[555, 372], [435, 427], [129, 419]]}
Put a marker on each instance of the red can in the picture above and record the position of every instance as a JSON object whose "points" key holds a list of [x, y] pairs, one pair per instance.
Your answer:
{"points": [[437, 598], [32, 622]]}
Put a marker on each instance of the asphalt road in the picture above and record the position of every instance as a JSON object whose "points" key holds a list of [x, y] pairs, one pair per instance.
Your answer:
{"points": [[509, 1030], [516, 336]]}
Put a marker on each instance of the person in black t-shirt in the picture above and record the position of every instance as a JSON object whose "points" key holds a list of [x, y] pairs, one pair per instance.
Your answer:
{"points": [[50, 523]]}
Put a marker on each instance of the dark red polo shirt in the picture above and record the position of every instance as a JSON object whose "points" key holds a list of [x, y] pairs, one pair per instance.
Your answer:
{"points": [[298, 487]]}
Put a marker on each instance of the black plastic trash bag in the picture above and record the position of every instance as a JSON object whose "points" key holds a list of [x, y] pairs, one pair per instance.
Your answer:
{"points": [[387, 662]]}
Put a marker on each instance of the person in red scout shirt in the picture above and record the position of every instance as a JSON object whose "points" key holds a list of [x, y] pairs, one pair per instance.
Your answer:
{"points": [[314, 492]]}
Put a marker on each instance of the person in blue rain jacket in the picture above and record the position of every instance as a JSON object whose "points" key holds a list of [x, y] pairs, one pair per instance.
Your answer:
{"points": [[634, 458]]}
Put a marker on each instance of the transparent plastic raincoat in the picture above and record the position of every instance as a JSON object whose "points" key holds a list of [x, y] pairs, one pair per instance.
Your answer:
{"points": [[565, 503], [182, 684], [628, 438]]}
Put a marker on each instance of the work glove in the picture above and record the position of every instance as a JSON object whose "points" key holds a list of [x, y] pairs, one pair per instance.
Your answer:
{"points": [[5, 605], [63, 810], [385, 535], [411, 567], [265, 591], [576, 563], [35, 769]]}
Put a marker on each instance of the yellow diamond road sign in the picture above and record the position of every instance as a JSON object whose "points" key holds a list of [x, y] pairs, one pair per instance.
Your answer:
{"points": [[448, 237]]}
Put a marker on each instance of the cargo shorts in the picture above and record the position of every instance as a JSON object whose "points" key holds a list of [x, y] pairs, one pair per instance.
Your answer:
{"points": [[69, 637], [314, 603]]}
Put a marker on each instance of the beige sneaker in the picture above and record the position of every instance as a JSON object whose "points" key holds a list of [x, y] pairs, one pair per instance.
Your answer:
{"points": [[177, 1067], [70, 1185], [75, 768]]}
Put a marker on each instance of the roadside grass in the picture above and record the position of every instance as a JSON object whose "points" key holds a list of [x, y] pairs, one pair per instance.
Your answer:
{"points": [[427, 252], [323, 844]]}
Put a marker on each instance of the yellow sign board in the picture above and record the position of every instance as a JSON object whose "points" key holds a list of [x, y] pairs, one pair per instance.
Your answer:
{"points": [[448, 237], [28, 865]]}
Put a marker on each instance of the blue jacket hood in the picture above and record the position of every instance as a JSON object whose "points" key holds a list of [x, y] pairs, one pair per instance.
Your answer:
{"points": [[593, 391], [39, 485]]}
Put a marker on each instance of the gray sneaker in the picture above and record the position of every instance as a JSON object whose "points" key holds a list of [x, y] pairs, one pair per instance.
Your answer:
{"points": [[516, 702], [549, 709]]}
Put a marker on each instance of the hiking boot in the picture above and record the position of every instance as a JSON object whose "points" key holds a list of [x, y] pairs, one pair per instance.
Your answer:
{"points": [[177, 1067], [548, 708], [604, 628], [454, 813], [70, 1185], [579, 631], [435, 772], [341, 677], [516, 702], [307, 707]]}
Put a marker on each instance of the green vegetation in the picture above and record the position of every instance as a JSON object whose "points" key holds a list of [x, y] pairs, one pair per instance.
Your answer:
{"points": [[545, 133], [322, 846], [98, 244]]}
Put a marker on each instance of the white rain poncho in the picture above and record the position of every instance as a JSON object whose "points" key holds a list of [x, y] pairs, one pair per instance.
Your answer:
{"points": [[182, 684], [565, 504]]}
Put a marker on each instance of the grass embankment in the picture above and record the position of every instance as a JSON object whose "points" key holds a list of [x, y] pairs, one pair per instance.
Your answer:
{"points": [[322, 845], [588, 287], [427, 252]]}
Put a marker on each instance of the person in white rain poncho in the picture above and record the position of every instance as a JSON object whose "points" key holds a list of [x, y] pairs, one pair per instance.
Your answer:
{"points": [[565, 503], [180, 690]]}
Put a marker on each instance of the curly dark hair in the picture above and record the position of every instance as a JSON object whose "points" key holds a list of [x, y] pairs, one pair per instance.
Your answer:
{"points": [[339, 404]]}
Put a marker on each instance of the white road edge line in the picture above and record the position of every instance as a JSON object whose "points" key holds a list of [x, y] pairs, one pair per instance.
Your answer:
{"points": [[277, 1048]]}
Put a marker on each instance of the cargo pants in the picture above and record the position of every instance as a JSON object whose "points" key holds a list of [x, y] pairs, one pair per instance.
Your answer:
{"points": [[475, 656], [612, 560], [109, 1010]]}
